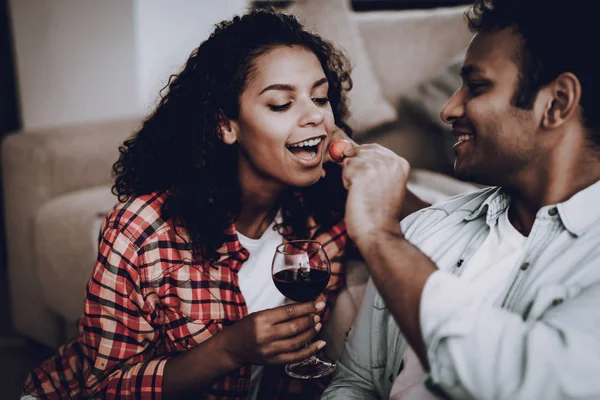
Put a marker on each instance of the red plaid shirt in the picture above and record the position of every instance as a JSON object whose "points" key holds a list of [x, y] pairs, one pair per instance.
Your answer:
{"points": [[147, 301]]}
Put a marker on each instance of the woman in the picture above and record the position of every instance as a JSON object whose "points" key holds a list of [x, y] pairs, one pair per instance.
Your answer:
{"points": [[230, 164]]}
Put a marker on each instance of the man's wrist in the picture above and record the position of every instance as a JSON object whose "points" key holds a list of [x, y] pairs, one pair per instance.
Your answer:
{"points": [[372, 243]]}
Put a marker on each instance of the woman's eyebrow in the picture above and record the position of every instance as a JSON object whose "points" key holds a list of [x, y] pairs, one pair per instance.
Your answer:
{"points": [[278, 86], [320, 82], [291, 88]]}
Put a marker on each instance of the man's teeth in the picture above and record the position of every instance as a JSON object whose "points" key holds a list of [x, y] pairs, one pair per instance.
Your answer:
{"points": [[307, 143], [464, 138]]}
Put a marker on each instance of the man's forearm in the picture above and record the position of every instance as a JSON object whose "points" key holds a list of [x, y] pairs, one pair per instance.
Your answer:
{"points": [[400, 270]]}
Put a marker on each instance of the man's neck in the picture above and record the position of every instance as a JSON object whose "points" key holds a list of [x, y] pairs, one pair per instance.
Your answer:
{"points": [[561, 175]]}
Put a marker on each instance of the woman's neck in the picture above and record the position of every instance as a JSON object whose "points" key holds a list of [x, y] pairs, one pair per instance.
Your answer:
{"points": [[258, 207]]}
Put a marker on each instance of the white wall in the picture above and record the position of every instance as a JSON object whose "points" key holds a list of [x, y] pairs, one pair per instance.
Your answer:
{"points": [[88, 60], [167, 32], [75, 60]]}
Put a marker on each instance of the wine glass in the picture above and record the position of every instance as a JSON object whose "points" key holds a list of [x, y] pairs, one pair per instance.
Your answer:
{"points": [[301, 272]]}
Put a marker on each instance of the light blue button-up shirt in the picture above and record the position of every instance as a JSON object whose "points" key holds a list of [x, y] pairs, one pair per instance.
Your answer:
{"points": [[540, 340]]}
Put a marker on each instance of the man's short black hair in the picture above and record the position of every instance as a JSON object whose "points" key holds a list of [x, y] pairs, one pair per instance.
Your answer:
{"points": [[557, 36]]}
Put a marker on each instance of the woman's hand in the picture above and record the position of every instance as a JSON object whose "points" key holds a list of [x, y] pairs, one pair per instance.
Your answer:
{"points": [[275, 336]]}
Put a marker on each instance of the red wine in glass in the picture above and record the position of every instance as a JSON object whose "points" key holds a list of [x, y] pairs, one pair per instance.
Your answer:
{"points": [[301, 272], [301, 285]]}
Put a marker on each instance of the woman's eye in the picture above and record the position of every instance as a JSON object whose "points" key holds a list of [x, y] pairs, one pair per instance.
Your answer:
{"points": [[321, 100], [280, 108]]}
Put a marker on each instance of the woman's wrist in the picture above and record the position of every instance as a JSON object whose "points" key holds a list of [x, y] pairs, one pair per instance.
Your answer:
{"points": [[227, 353]]}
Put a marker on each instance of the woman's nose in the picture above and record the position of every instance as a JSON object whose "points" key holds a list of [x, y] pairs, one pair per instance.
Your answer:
{"points": [[312, 115]]}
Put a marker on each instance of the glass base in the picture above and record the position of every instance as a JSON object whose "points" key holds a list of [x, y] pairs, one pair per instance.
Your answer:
{"points": [[311, 368]]}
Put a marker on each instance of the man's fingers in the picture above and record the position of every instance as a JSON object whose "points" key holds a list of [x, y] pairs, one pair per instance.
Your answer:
{"points": [[292, 311]]}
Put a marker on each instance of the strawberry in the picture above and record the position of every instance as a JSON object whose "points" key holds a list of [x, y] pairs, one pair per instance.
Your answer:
{"points": [[337, 149]]}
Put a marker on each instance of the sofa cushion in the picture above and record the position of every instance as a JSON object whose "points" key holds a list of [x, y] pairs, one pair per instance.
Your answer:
{"points": [[408, 47], [425, 102], [332, 20], [66, 245]]}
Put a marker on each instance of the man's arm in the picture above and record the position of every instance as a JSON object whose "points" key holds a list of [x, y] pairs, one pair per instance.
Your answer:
{"points": [[476, 350], [471, 349]]}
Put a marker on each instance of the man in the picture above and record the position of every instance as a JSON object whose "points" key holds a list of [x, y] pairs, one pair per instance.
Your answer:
{"points": [[493, 294]]}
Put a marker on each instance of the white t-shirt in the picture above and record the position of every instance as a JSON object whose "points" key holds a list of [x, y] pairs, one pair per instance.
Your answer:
{"points": [[488, 271], [256, 284]]}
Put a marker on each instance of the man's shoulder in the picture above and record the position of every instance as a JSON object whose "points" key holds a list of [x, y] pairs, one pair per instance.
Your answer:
{"points": [[463, 204]]}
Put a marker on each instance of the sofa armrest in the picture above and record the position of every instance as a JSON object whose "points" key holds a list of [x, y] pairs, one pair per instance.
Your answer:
{"points": [[36, 167], [54, 161]]}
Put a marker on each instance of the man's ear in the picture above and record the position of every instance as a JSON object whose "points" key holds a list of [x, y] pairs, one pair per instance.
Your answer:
{"points": [[565, 93], [228, 129]]}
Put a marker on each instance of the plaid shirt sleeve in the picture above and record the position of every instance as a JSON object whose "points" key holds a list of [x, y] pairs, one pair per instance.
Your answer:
{"points": [[117, 328]]}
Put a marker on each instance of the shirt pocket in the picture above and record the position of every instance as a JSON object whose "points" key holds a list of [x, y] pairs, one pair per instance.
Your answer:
{"points": [[191, 305], [548, 297]]}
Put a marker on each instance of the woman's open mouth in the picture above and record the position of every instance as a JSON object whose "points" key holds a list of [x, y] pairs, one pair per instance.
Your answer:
{"points": [[308, 151]]}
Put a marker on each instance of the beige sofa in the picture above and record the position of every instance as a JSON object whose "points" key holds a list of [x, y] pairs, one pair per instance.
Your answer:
{"points": [[57, 181]]}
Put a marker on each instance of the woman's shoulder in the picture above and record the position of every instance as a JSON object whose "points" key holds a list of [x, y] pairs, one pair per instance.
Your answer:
{"points": [[139, 218]]}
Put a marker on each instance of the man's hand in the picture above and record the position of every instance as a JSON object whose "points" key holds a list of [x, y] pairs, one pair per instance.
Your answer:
{"points": [[376, 181], [336, 135]]}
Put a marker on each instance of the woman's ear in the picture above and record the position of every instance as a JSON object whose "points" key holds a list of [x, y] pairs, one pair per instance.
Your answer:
{"points": [[566, 95], [228, 129]]}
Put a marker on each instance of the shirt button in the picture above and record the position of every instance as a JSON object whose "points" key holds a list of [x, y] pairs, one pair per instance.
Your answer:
{"points": [[552, 212], [524, 266], [557, 301]]}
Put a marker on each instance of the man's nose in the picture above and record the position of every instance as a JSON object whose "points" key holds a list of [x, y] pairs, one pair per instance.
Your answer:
{"points": [[454, 108]]}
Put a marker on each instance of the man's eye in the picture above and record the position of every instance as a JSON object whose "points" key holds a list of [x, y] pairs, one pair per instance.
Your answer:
{"points": [[476, 88], [280, 108], [321, 100]]}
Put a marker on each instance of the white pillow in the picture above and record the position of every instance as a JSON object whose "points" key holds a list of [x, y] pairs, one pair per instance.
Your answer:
{"points": [[332, 20]]}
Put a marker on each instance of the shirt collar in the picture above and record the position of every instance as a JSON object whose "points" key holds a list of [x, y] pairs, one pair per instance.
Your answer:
{"points": [[495, 204], [577, 213], [581, 211]]}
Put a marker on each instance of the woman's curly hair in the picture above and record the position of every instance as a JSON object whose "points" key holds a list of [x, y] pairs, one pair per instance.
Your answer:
{"points": [[178, 150]]}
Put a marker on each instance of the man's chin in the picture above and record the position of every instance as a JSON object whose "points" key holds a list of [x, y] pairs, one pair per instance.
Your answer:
{"points": [[476, 179], [470, 175]]}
